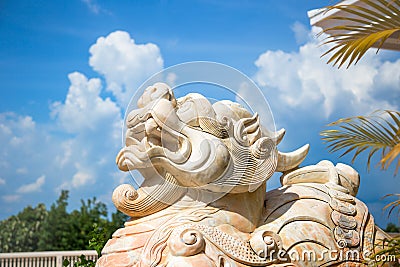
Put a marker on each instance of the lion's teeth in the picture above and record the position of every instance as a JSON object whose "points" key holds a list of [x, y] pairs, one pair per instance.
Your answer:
{"points": [[145, 143], [130, 141]]}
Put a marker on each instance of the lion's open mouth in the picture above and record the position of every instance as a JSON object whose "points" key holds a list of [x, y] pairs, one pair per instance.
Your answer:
{"points": [[148, 138], [149, 134], [153, 133]]}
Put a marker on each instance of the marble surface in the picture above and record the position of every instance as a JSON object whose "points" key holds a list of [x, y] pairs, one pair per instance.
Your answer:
{"points": [[203, 201]]}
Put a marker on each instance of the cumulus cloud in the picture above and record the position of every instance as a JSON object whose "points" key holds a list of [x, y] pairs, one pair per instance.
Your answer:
{"points": [[65, 156], [27, 123], [28, 150], [22, 140], [124, 64], [77, 148], [16, 129], [32, 187], [305, 94], [96, 124], [10, 121], [301, 32], [82, 178], [84, 109], [302, 80], [11, 198]]}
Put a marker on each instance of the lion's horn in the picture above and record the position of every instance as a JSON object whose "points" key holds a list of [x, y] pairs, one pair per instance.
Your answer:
{"points": [[288, 161], [279, 135], [275, 136]]}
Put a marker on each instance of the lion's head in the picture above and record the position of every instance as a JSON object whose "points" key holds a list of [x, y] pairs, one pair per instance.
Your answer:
{"points": [[218, 147]]}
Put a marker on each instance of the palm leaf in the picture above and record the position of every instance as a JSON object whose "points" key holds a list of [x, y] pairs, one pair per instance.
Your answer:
{"points": [[388, 254], [364, 27], [394, 204], [379, 131]]}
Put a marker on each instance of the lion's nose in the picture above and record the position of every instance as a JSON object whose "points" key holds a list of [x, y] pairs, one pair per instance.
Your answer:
{"points": [[164, 114]]}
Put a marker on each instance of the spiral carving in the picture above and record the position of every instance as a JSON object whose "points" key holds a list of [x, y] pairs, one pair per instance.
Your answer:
{"points": [[266, 243], [342, 243], [263, 148], [188, 242], [137, 203], [123, 194]]}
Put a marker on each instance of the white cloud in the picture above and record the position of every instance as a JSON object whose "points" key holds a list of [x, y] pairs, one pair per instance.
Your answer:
{"points": [[121, 178], [11, 198], [305, 94], [171, 79], [84, 109], [303, 81], [21, 171], [27, 123], [16, 141], [301, 32], [4, 129], [82, 178], [2, 181], [124, 63], [390, 76], [63, 158], [23, 142], [93, 7], [63, 186], [11, 122], [77, 148], [33, 187], [96, 124]]}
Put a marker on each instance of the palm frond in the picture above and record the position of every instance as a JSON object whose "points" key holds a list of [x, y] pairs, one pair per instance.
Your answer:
{"points": [[388, 255], [379, 131], [364, 26], [393, 205], [388, 252]]}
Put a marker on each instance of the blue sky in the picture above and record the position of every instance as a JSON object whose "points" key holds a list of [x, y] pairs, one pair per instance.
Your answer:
{"points": [[68, 67]]}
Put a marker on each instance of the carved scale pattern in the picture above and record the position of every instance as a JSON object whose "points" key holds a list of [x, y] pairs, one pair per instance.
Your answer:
{"points": [[236, 249], [343, 212]]}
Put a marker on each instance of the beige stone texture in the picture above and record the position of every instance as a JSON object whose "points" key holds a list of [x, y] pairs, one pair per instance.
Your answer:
{"points": [[203, 201]]}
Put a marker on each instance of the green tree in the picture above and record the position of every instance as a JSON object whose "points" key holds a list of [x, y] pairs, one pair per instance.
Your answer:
{"points": [[92, 213], [36, 229], [57, 228], [22, 231], [392, 228], [118, 220]]}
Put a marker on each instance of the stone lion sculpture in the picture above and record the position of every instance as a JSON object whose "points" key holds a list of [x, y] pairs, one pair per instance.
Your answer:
{"points": [[203, 201]]}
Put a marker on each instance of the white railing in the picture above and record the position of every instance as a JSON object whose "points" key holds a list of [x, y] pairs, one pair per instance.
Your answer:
{"points": [[44, 259]]}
